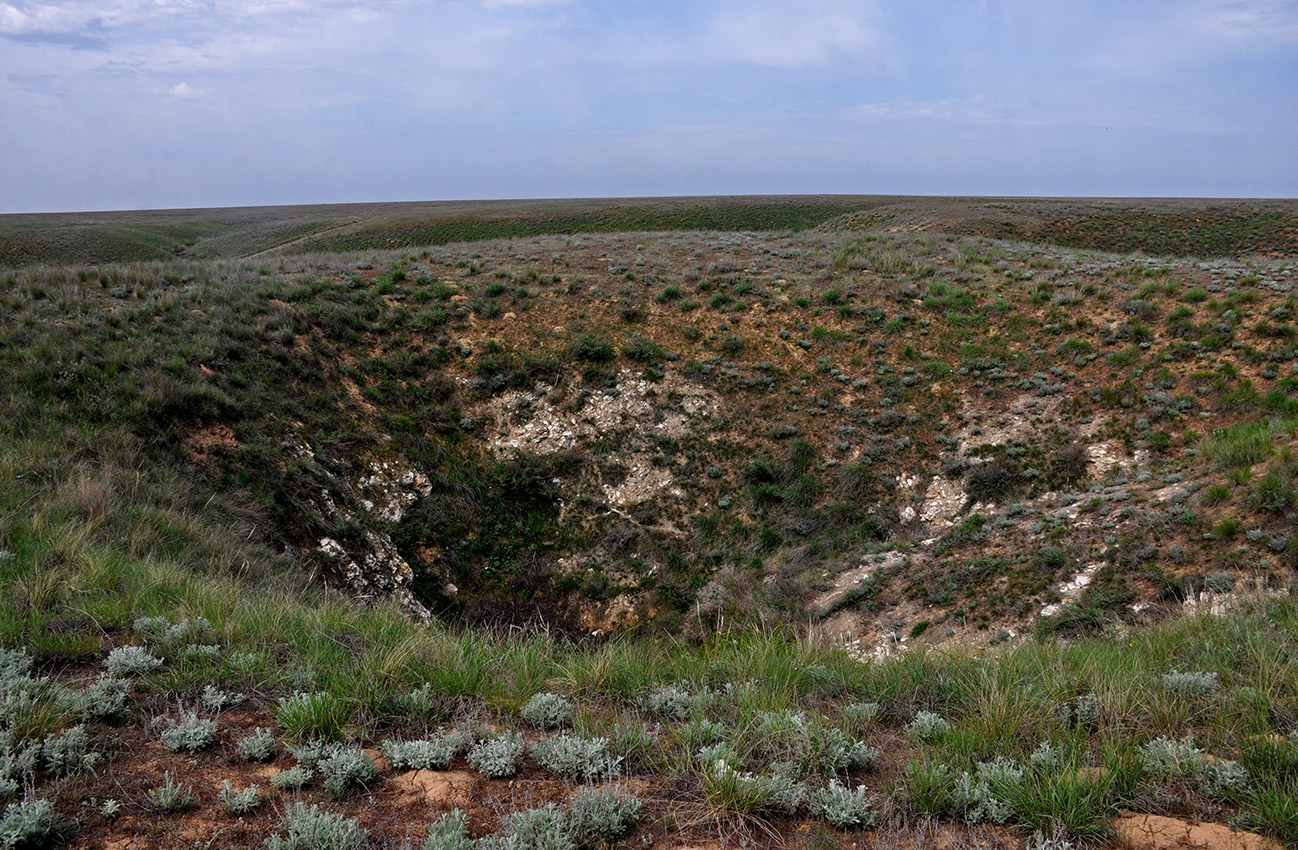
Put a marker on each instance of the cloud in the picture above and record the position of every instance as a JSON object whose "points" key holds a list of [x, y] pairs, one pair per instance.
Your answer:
{"points": [[184, 91], [789, 34]]}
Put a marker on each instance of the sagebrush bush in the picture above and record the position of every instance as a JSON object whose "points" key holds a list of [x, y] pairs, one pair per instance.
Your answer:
{"points": [[603, 814], [27, 825], [1224, 779], [1168, 758], [573, 757], [68, 752], [670, 702], [14, 664], [426, 754], [216, 699], [544, 828], [239, 802], [449, 832], [1190, 684], [981, 797], [497, 756], [131, 661], [258, 746], [843, 807], [547, 711], [345, 770], [171, 796], [308, 828], [107, 698], [189, 733], [928, 727], [291, 778]]}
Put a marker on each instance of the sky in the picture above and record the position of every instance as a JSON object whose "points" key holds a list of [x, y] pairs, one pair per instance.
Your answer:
{"points": [[148, 104]]}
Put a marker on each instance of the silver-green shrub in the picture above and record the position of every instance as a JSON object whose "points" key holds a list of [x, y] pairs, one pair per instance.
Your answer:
{"points": [[1190, 684], [425, 754], [131, 661], [544, 828], [199, 652], [843, 807], [189, 734], [670, 702], [603, 813], [497, 756], [239, 802], [1168, 758], [291, 778], [574, 757], [1047, 757], [171, 796], [1223, 779], [347, 769], [449, 832], [315, 751], [68, 752], [216, 699], [106, 698], [547, 711], [26, 824], [979, 796], [151, 629], [308, 828], [1083, 710], [928, 727], [258, 746], [14, 663]]}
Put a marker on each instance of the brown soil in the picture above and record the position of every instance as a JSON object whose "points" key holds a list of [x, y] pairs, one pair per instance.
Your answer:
{"points": [[1154, 832]]}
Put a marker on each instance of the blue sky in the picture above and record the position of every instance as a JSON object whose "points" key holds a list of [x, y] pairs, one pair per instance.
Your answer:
{"points": [[130, 104]]}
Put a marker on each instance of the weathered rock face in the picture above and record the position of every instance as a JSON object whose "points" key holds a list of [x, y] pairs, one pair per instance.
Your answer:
{"points": [[368, 564]]}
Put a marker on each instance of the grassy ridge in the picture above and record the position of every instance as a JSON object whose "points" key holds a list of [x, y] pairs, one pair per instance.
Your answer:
{"points": [[1173, 228], [668, 216], [1211, 233], [100, 244]]}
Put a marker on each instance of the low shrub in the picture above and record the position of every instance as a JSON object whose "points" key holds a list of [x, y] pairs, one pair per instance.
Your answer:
{"points": [[843, 807], [497, 756], [239, 802], [547, 711], [189, 734], [603, 814], [308, 828], [131, 661], [259, 746]]}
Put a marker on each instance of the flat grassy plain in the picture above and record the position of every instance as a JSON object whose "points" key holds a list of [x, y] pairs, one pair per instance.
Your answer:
{"points": [[648, 464]]}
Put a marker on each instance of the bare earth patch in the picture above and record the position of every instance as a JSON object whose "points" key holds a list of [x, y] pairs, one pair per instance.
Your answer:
{"points": [[1155, 832]]}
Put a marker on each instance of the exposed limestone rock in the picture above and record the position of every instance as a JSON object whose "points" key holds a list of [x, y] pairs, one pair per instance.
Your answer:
{"points": [[1070, 590], [370, 567], [943, 501]]}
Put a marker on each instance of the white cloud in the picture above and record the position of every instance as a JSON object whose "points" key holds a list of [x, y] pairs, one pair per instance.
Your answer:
{"points": [[184, 91], [788, 34]]}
